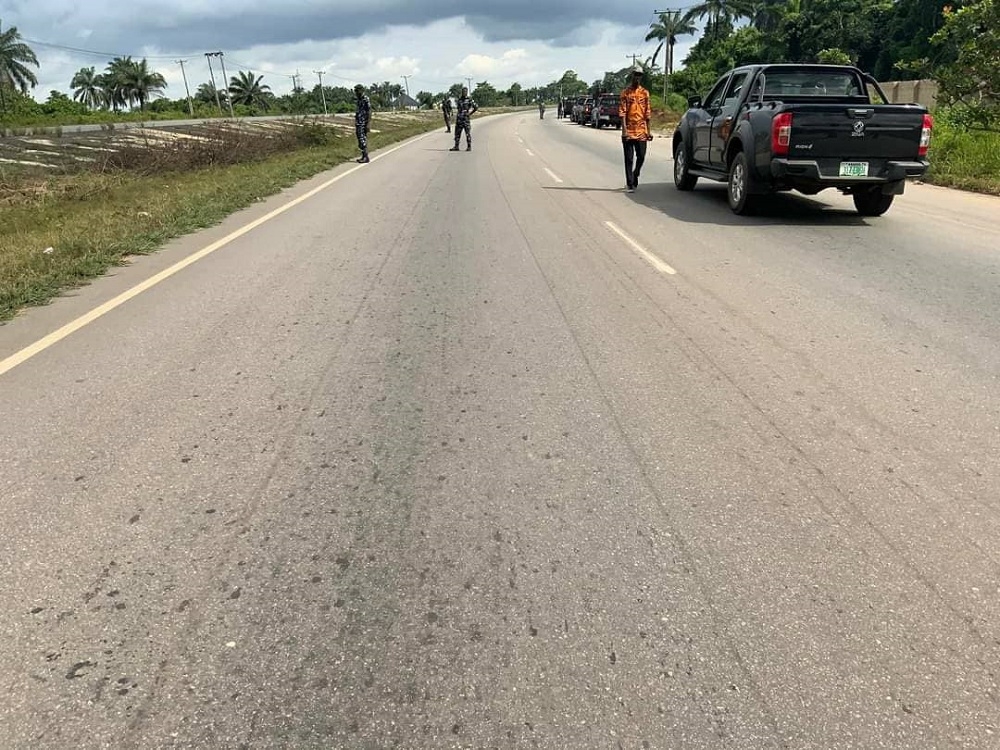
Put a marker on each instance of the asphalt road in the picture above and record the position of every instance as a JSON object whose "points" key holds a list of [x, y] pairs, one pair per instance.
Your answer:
{"points": [[439, 458]]}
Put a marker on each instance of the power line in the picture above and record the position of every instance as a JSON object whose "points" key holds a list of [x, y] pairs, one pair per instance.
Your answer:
{"points": [[97, 53]]}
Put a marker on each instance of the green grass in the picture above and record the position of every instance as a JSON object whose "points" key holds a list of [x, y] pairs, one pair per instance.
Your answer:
{"points": [[966, 159], [93, 220]]}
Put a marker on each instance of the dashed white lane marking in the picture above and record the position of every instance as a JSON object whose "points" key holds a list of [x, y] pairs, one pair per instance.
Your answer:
{"points": [[658, 264], [8, 364], [553, 175], [530, 153]]}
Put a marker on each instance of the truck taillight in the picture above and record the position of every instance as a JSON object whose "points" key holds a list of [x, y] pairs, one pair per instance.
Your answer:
{"points": [[781, 134], [925, 135]]}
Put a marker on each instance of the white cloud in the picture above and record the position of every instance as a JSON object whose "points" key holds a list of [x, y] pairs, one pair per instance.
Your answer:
{"points": [[435, 56]]}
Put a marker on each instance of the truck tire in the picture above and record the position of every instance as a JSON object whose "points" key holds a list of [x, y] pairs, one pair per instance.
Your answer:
{"points": [[683, 179], [872, 202], [740, 187]]}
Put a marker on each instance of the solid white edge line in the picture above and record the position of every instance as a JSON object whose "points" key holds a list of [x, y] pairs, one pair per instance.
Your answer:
{"points": [[553, 175], [658, 264], [9, 363]]}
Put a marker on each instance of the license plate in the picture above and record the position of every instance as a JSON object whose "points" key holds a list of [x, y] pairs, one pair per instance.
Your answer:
{"points": [[853, 169]]}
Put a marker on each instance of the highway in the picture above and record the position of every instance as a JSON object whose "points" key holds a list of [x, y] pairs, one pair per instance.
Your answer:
{"points": [[477, 450]]}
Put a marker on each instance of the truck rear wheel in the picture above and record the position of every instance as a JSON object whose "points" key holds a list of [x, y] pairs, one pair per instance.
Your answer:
{"points": [[741, 198], [872, 202]]}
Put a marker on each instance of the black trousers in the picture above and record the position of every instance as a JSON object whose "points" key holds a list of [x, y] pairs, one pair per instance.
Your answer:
{"points": [[635, 155]]}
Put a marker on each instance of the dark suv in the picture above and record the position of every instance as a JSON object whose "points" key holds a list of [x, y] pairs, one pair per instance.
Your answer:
{"points": [[605, 112]]}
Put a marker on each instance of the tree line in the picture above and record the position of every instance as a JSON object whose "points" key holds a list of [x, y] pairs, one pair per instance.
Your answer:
{"points": [[955, 42]]}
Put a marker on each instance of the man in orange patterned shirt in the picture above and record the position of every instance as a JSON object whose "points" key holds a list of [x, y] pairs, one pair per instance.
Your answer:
{"points": [[633, 109]]}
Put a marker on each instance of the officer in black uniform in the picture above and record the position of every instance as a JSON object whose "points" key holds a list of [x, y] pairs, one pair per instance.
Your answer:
{"points": [[463, 119], [362, 121]]}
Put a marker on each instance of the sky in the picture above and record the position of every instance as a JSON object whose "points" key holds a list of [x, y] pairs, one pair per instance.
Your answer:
{"points": [[436, 43]]}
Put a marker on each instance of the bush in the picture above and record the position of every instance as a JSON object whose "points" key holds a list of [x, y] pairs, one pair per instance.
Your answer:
{"points": [[961, 157]]}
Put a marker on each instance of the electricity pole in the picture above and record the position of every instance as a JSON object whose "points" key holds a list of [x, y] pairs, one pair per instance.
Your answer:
{"points": [[225, 80], [667, 61], [469, 81], [321, 92], [211, 73], [186, 89]]}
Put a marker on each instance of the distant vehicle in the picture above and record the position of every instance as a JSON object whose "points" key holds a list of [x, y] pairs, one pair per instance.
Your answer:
{"points": [[769, 128], [605, 112], [585, 110], [577, 108]]}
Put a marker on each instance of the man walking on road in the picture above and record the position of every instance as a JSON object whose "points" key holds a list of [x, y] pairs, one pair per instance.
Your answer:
{"points": [[463, 119], [633, 109], [362, 121], [446, 108]]}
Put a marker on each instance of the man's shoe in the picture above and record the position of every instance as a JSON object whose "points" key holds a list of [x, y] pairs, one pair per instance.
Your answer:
{"points": [[363, 160], [453, 148], [469, 147]]}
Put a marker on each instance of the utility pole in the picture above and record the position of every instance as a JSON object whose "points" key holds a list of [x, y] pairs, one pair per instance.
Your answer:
{"points": [[225, 80], [321, 92], [186, 89], [211, 73], [669, 51], [633, 56], [469, 81]]}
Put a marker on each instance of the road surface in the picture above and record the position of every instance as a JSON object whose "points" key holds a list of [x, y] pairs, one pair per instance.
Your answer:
{"points": [[477, 450]]}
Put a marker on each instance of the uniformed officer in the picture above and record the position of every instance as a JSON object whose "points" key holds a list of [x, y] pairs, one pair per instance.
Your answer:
{"points": [[362, 121], [466, 107]]}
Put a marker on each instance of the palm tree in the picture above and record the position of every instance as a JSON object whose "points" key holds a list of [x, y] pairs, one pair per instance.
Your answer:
{"points": [[718, 13], [142, 84], [247, 89], [205, 93], [766, 15], [15, 57], [113, 83], [671, 25], [88, 87]]}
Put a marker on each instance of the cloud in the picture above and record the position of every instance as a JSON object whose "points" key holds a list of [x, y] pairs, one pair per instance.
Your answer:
{"points": [[483, 66], [437, 43]]}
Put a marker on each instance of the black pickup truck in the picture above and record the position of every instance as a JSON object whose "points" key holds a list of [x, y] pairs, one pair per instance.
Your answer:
{"points": [[768, 128]]}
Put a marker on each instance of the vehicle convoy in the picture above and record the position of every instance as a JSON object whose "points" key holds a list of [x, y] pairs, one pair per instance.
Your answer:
{"points": [[605, 112], [769, 128]]}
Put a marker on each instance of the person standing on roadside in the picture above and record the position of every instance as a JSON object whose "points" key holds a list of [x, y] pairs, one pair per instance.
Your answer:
{"points": [[633, 109], [464, 111], [541, 109], [446, 108], [362, 121]]}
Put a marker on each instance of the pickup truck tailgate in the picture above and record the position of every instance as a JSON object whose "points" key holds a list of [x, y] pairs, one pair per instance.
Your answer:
{"points": [[855, 132]]}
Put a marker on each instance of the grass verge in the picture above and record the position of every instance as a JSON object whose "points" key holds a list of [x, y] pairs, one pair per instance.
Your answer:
{"points": [[966, 159], [58, 232]]}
